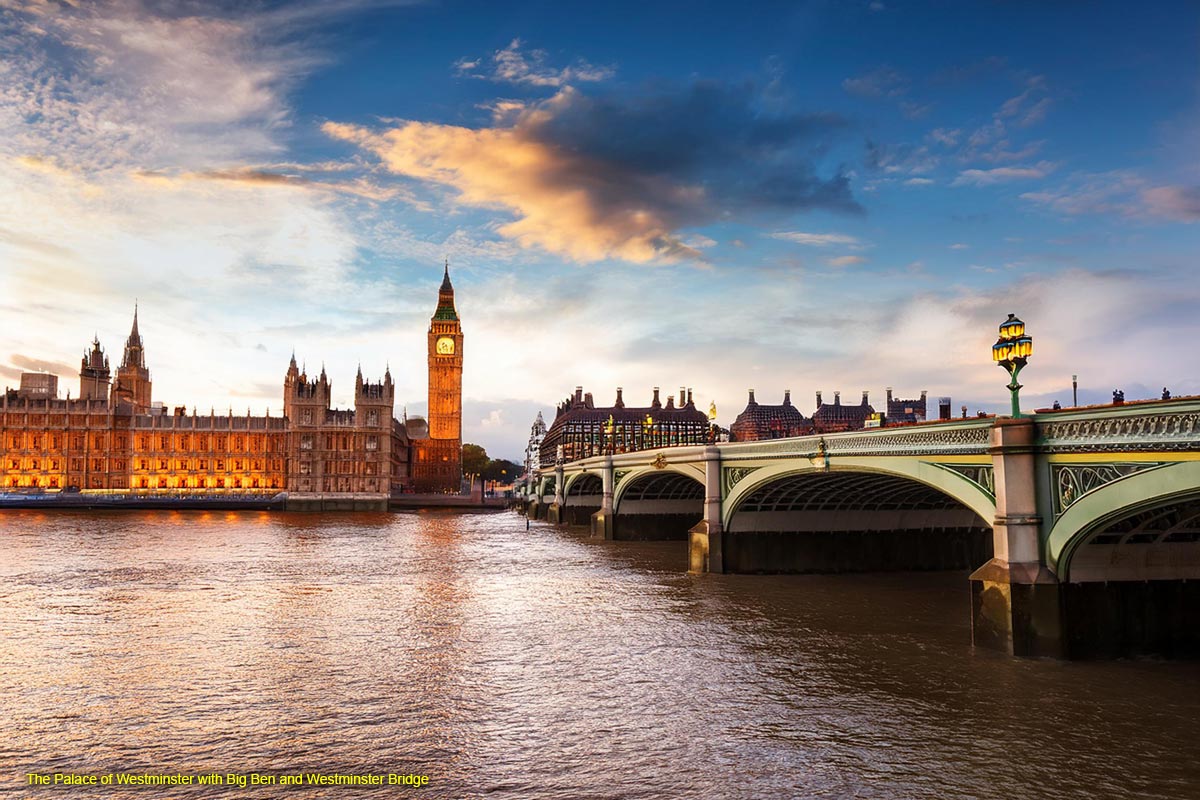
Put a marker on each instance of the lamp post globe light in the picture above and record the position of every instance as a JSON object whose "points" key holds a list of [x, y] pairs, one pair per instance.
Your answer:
{"points": [[1011, 351]]}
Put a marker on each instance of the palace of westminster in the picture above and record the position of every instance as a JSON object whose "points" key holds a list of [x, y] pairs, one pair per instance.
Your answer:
{"points": [[113, 436]]}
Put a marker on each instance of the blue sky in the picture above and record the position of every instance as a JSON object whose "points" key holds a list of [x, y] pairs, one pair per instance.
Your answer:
{"points": [[806, 196]]}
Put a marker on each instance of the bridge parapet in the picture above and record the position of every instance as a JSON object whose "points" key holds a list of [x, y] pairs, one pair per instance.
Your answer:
{"points": [[1161, 427]]}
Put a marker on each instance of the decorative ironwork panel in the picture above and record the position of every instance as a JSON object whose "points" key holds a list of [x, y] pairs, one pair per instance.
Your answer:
{"points": [[1142, 432], [1072, 481], [618, 475], [733, 475], [982, 475]]}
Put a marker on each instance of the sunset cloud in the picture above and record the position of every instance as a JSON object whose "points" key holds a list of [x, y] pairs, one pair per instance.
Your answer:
{"points": [[597, 178]]}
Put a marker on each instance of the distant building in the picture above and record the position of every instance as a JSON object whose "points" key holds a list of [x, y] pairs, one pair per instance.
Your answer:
{"points": [[533, 449], [837, 417], [905, 410], [38, 385], [115, 437], [758, 421], [581, 430]]}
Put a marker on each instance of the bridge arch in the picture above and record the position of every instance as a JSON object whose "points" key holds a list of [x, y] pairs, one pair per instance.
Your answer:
{"points": [[651, 503], [946, 481], [583, 483], [856, 517], [1143, 526]]}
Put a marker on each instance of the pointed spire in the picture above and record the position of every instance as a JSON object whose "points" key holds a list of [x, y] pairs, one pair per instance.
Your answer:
{"points": [[446, 287]]}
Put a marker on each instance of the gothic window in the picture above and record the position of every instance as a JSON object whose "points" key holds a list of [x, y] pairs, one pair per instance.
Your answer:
{"points": [[220, 466], [372, 417], [201, 442], [141, 443], [345, 442], [53, 465], [257, 465], [54, 442], [162, 463], [305, 468], [372, 442], [204, 463], [237, 466], [143, 463], [98, 464], [162, 442], [306, 441], [120, 465], [237, 443], [37, 442], [307, 416]]}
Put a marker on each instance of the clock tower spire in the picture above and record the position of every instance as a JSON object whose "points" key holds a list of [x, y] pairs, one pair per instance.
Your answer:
{"points": [[442, 469]]}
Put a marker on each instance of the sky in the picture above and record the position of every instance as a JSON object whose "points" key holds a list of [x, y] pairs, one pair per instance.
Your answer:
{"points": [[807, 195]]}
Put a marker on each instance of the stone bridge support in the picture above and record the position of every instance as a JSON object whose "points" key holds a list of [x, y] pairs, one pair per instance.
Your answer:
{"points": [[602, 520], [556, 512], [1015, 600], [706, 538]]}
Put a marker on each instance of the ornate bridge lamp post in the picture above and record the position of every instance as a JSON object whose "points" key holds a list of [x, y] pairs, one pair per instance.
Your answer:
{"points": [[647, 428], [1011, 351], [610, 430]]}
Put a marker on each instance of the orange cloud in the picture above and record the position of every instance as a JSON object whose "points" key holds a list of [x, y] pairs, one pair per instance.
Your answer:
{"points": [[556, 195]]}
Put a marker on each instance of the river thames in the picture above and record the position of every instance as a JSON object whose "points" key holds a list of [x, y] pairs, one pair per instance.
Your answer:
{"points": [[507, 663]]}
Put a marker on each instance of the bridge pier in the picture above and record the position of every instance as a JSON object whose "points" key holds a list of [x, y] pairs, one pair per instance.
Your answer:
{"points": [[555, 513], [602, 520], [1015, 602], [706, 540]]}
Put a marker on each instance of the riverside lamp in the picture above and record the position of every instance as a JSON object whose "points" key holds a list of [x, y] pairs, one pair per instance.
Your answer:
{"points": [[1011, 351]]}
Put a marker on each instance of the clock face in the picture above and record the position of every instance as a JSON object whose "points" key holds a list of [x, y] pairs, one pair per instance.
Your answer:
{"points": [[445, 346]]}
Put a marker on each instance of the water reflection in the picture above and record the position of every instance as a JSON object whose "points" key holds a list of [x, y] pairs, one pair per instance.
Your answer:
{"points": [[517, 664]]}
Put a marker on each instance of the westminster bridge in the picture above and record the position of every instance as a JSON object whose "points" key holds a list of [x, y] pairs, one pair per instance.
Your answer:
{"points": [[1082, 526]]}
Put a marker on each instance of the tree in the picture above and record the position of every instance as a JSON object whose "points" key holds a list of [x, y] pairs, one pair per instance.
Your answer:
{"points": [[502, 471], [474, 459]]}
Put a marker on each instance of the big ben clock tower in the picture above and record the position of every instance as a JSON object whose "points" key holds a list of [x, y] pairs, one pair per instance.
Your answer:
{"points": [[444, 456]]}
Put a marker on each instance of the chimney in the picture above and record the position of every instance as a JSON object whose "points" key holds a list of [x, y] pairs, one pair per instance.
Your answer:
{"points": [[578, 394], [587, 401], [818, 399], [689, 397], [889, 394], [682, 396], [670, 402], [655, 403], [943, 408], [787, 397], [837, 398], [923, 393], [620, 401], [751, 402], [864, 402]]}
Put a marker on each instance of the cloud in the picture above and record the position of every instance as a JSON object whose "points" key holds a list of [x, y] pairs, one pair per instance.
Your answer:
{"points": [[511, 65], [960, 246], [846, 261], [878, 83], [989, 177], [817, 239], [31, 364], [1115, 192], [918, 182], [1175, 202], [593, 178]]}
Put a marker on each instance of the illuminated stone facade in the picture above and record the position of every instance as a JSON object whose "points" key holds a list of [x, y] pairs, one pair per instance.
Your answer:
{"points": [[118, 440], [581, 430], [437, 461]]}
